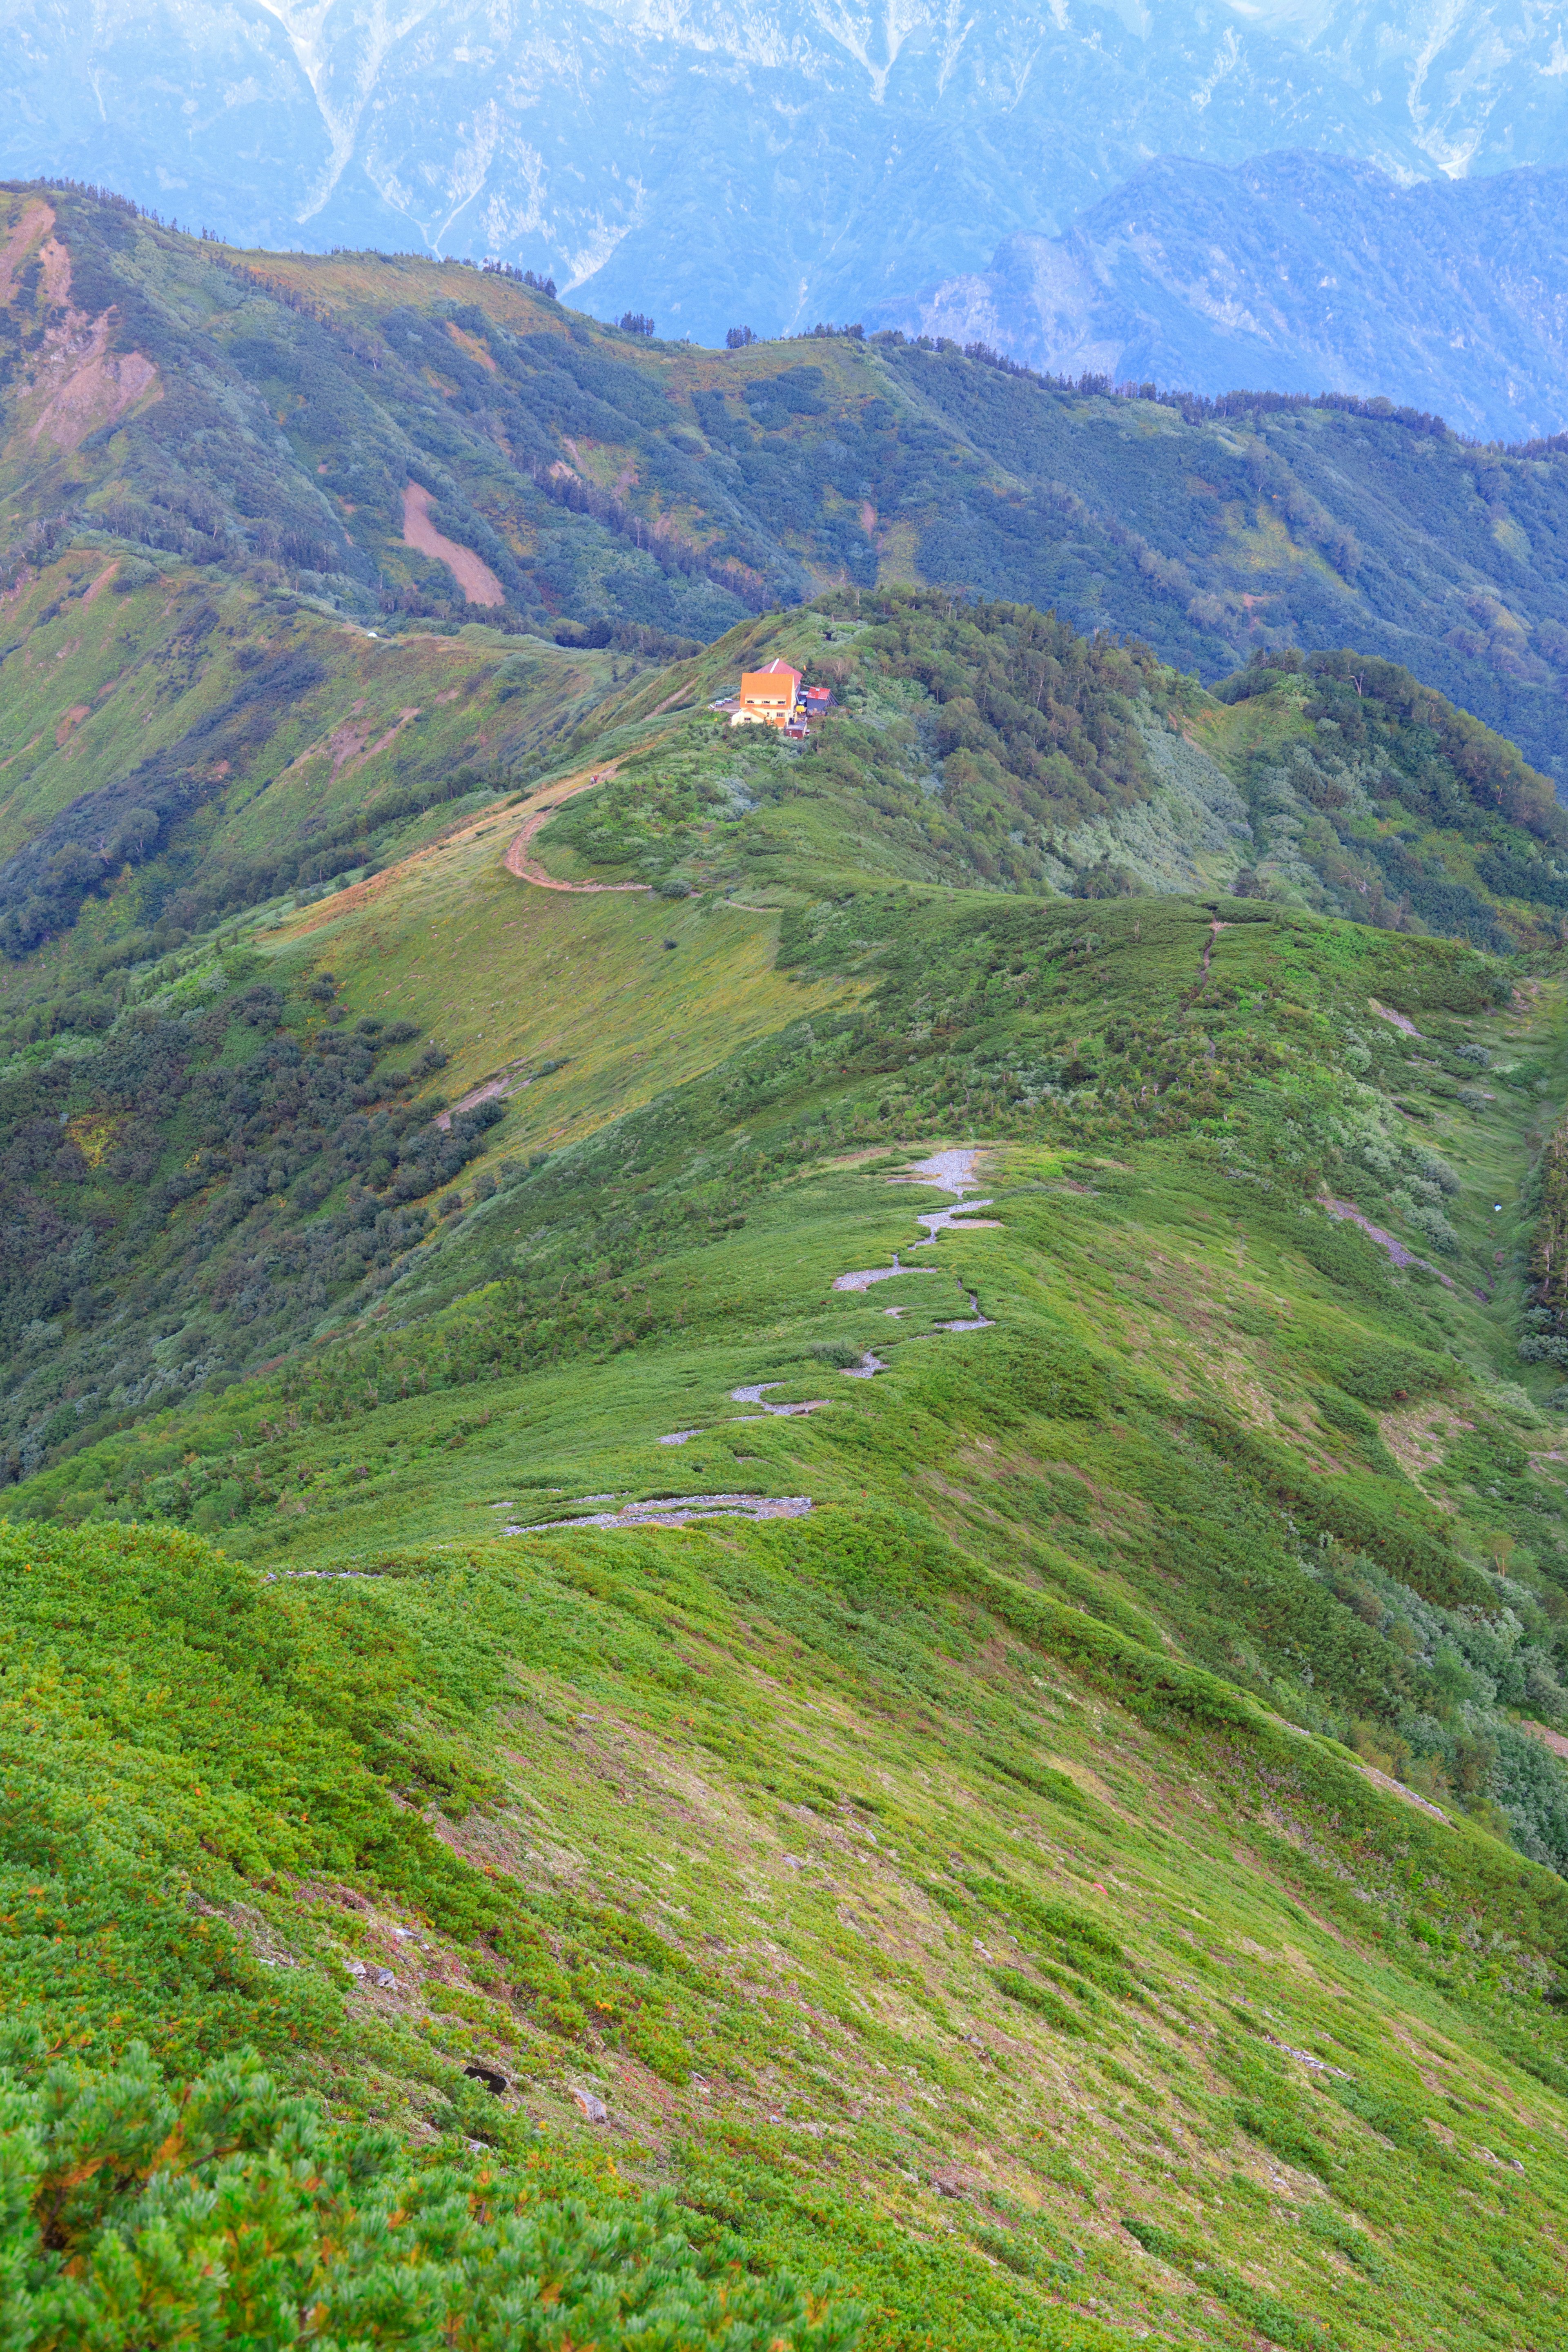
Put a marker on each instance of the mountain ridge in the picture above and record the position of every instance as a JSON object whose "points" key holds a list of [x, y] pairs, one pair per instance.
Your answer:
{"points": [[837, 1539], [635, 494], [1293, 273], [713, 165]]}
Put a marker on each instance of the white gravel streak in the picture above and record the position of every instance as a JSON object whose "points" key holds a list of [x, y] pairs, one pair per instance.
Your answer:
{"points": [[943, 1172], [678, 1510], [758, 1395]]}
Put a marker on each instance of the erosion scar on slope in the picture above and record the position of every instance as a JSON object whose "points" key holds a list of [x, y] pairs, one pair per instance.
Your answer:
{"points": [[471, 572]]}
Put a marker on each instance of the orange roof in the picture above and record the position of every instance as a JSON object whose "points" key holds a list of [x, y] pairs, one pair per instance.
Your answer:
{"points": [[775, 672]]}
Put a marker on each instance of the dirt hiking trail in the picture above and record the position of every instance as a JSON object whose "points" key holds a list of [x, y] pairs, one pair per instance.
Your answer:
{"points": [[358, 894], [517, 860]]}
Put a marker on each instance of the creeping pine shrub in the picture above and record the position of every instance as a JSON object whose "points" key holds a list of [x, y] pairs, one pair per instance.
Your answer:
{"points": [[223, 2212]]}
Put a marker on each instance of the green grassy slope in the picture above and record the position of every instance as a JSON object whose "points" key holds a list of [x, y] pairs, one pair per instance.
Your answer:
{"points": [[209, 1163], [177, 748], [1088, 1863], [267, 413]]}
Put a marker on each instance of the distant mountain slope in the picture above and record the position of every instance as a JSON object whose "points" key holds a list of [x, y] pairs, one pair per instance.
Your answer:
{"points": [[1295, 273], [157, 1136], [776, 163], [1002, 1737], [290, 423]]}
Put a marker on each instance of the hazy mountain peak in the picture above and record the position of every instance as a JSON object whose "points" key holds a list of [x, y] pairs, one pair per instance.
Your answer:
{"points": [[1294, 273], [712, 161]]}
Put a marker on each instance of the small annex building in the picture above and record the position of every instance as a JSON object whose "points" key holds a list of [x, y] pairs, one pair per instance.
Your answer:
{"points": [[768, 695]]}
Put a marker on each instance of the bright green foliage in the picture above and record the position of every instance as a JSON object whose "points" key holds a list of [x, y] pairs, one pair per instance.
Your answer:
{"points": [[225, 2211], [1110, 1783]]}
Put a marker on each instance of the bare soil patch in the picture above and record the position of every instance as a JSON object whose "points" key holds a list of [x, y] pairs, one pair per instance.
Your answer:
{"points": [[472, 574], [37, 220]]}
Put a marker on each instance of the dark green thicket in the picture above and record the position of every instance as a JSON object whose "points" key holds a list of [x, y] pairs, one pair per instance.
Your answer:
{"points": [[1447, 768], [965, 739], [125, 824], [198, 1189]]}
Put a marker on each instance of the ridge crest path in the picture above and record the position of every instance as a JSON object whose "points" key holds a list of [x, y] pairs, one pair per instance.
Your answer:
{"points": [[518, 862]]}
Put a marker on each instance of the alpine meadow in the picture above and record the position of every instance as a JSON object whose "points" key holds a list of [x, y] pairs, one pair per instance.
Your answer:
{"points": [[785, 1561]]}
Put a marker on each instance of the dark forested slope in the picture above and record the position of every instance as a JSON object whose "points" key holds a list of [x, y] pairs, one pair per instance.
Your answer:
{"points": [[271, 415]]}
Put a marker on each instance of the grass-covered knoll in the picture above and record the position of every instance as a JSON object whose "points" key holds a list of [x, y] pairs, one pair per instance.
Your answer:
{"points": [[267, 413], [984, 743], [175, 749]]}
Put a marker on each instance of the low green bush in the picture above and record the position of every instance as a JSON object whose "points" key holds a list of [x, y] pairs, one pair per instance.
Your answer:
{"points": [[223, 2210]]}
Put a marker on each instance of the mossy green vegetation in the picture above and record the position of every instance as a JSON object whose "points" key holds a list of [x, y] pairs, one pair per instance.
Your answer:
{"points": [[1009, 1769], [235, 2211], [265, 416]]}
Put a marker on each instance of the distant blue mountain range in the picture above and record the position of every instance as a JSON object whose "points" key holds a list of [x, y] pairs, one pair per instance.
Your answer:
{"points": [[770, 163], [1295, 273]]}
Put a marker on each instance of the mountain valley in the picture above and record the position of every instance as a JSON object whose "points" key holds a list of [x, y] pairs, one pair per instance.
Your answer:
{"points": [[786, 1552]]}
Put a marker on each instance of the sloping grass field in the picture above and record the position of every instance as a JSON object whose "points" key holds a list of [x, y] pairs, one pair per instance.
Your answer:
{"points": [[897, 1576]]}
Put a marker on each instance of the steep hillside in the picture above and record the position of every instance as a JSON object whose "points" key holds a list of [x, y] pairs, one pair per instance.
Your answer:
{"points": [[905, 1575], [208, 1164], [781, 164], [392, 439], [1292, 273]]}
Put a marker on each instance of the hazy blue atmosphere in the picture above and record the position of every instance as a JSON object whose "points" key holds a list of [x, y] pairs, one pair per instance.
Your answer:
{"points": [[773, 164]]}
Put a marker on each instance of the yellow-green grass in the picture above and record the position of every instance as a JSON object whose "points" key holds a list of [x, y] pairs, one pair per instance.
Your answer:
{"points": [[504, 975], [806, 1751]]}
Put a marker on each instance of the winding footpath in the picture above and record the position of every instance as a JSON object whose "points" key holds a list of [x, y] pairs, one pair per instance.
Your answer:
{"points": [[517, 860], [945, 1171]]}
